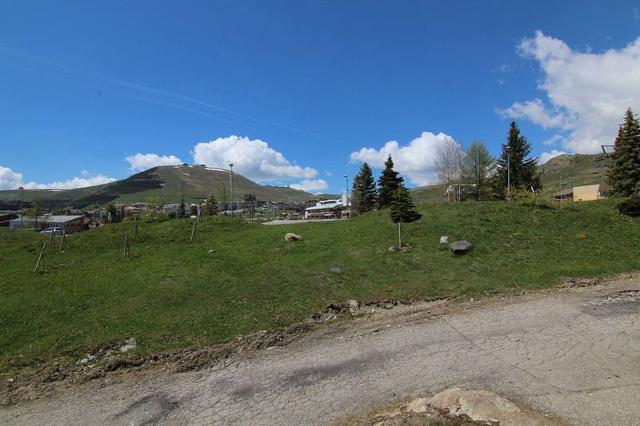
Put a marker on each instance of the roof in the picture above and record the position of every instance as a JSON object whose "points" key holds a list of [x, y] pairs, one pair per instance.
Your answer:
{"points": [[564, 192], [325, 206], [61, 218]]}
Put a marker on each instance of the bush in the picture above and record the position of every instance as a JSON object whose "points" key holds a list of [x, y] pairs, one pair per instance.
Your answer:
{"points": [[630, 207]]}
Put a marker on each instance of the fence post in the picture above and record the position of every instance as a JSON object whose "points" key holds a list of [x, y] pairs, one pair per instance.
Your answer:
{"points": [[41, 257], [125, 251], [193, 231], [64, 235]]}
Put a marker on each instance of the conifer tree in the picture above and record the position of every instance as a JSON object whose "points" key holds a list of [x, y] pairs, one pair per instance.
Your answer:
{"points": [[363, 196], [402, 209], [514, 162], [624, 171], [211, 206], [181, 209], [388, 183]]}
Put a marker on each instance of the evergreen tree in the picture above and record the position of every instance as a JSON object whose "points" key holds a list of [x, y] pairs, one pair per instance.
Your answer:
{"points": [[388, 183], [181, 209], [477, 167], [363, 195], [515, 161], [211, 206], [624, 172], [402, 209]]}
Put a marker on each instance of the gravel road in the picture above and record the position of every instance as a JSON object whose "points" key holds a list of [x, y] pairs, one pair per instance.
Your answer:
{"points": [[573, 352]]}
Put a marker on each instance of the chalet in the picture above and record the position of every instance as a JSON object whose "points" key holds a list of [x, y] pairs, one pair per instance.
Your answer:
{"points": [[583, 193], [329, 209]]}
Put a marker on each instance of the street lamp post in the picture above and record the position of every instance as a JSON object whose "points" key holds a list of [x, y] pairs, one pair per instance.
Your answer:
{"points": [[346, 188], [231, 185], [21, 208]]}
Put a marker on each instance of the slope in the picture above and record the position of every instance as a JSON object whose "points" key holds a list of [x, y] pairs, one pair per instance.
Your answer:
{"points": [[162, 184]]}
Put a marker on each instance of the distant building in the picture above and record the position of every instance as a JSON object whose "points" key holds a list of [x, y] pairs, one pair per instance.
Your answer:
{"points": [[70, 223], [583, 193], [6, 216], [329, 209]]}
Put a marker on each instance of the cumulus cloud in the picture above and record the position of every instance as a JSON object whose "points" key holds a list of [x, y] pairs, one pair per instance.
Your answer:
{"points": [[417, 160], [309, 185], [9, 179], [587, 92], [536, 112], [139, 162], [13, 180], [546, 156], [251, 158]]}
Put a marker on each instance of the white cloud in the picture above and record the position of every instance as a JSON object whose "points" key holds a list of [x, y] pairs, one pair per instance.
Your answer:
{"points": [[417, 160], [536, 112], [546, 156], [13, 180], [139, 162], [9, 179], [310, 185], [251, 158], [587, 92]]}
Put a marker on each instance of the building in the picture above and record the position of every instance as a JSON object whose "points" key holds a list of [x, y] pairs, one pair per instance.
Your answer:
{"points": [[329, 209], [70, 223], [6, 216], [583, 193]]}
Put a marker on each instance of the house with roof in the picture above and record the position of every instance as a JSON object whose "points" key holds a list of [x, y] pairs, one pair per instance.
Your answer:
{"points": [[583, 193], [329, 209]]}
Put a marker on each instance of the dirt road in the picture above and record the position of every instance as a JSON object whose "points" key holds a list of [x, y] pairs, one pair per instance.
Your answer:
{"points": [[574, 353]]}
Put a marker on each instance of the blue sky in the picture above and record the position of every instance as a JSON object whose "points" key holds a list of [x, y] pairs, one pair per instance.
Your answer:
{"points": [[295, 91]]}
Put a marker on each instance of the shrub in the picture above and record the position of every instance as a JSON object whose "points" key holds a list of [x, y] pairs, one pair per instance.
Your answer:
{"points": [[630, 207]]}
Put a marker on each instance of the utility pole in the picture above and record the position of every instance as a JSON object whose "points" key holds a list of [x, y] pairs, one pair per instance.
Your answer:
{"points": [[231, 185]]}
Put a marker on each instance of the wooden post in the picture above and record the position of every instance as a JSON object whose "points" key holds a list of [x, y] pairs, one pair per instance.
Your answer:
{"points": [[52, 236], [193, 231], [135, 227], [41, 257], [125, 251], [399, 236], [64, 235]]}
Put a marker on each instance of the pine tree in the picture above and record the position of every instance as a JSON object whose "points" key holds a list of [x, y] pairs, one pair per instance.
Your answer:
{"points": [[624, 173], [211, 206], [363, 196], [477, 167], [181, 209], [402, 210], [515, 161], [388, 183]]}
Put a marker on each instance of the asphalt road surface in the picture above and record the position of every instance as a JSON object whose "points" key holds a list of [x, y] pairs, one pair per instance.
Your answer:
{"points": [[574, 353]]}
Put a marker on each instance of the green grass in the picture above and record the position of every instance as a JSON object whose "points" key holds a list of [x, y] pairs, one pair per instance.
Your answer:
{"points": [[172, 293]]}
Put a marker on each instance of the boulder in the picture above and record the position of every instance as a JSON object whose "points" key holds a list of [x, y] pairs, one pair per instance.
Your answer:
{"points": [[460, 247], [485, 406], [290, 236]]}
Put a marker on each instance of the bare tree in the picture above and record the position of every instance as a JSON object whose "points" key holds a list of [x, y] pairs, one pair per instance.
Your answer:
{"points": [[449, 162]]}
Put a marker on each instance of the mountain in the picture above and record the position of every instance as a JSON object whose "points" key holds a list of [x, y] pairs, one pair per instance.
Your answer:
{"points": [[160, 185], [570, 170]]}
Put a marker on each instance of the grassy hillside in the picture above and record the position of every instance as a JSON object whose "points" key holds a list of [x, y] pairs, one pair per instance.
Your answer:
{"points": [[173, 293], [423, 194], [163, 184], [565, 171]]}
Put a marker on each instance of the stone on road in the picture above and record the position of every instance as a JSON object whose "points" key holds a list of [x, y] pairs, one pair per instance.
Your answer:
{"points": [[574, 353]]}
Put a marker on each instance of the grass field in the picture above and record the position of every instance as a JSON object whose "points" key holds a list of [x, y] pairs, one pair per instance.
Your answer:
{"points": [[173, 293]]}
